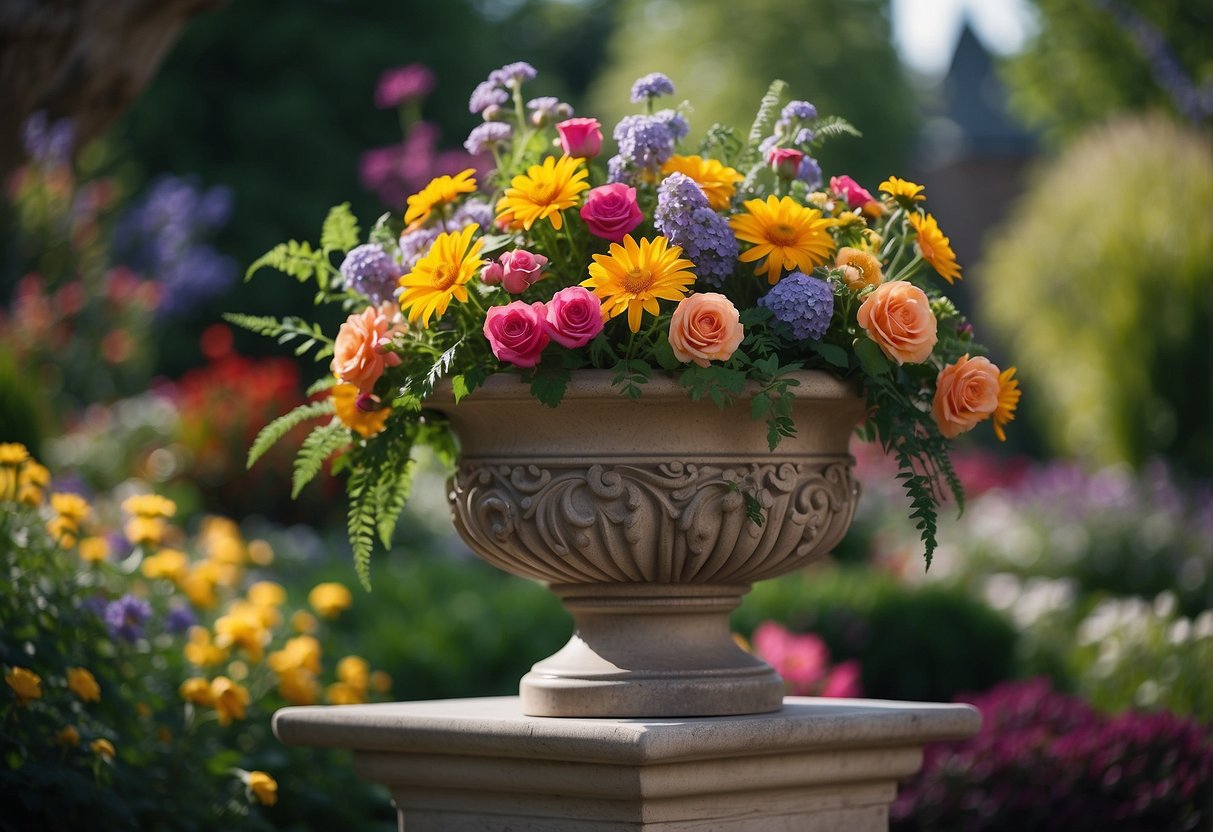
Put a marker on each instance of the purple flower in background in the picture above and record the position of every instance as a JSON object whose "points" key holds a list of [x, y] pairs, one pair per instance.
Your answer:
{"points": [[179, 619], [810, 172], [397, 171], [369, 270], [48, 144], [487, 94], [650, 86], [617, 170], [548, 109], [414, 245], [645, 142], [473, 211], [804, 303], [403, 84], [484, 136], [674, 122], [798, 109], [126, 617], [513, 74], [686, 220]]}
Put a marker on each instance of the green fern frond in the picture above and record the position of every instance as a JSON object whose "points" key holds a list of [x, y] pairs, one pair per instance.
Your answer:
{"points": [[340, 232], [829, 127], [299, 260], [360, 524], [316, 448], [765, 116], [266, 325], [280, 427]]}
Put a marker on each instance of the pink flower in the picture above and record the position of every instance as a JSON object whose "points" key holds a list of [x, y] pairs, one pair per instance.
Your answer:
{"points": [[802, 660], [849, 190], [362, 349], [610, 211], [843, 681], [517, 332], [574, 317], [705, 327], [519, 269], [785, 161], [580, 137], [404, 83]]}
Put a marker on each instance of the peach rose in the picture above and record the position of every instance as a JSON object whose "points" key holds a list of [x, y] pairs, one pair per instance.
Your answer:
{"points": [[361, 352], [706, 327], [965, 393], [898, 317]]}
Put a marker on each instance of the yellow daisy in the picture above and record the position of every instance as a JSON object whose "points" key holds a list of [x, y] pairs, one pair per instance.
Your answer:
{"points": [[441, 190], [786, 233], [634, 276], [1008, 400], [903, 190], [936, 249], [544, 191], [345, 403], [717, 180], [441, 275]]}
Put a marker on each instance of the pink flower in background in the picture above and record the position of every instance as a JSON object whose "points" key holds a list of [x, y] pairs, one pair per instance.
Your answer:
{"points": [[850, 190], [610, 211], [804, 662], [517, 333], [580, 137], [574, 317], [404, 83], [397, 171]]}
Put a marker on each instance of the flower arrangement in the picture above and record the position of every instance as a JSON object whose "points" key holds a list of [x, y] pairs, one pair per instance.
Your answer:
{"points": [[729, 266]]}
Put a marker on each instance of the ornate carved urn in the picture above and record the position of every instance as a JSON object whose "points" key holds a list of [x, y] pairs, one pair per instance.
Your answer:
{"points": [[634, 513]]}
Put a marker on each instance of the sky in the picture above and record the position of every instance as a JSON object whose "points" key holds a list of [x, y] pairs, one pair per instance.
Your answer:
{"points": [[925, 31]]}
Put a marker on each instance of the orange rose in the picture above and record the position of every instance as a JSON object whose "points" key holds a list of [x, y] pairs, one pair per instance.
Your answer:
{"points": [[965, 393], [361, 350], [898, 317], [706, 327]]}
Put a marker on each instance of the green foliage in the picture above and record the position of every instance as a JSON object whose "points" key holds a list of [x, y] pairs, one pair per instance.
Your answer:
{"points": [[21, 408], [340, 231], [1103, 292], [906, 639], [285, 331], [764, 119], [320, 444], [280, 427]]}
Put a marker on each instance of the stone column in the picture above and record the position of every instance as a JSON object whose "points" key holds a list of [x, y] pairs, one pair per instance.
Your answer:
{"points": [[480, 765]]}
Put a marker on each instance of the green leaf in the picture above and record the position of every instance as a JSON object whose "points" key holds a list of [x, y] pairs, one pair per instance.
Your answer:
{"points": [[459, 387], [395, 484], [872, 360], [664, 354], [383, 232], [549, 383], [761, 127], [316, 448], [320, 385], [760, 405], [360, 521], [833, 354], [293, 258], [280, 427], [828, 127], [340, 231]]}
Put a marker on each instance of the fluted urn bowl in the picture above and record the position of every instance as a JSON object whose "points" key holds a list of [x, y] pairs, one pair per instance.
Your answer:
{"points": [[634, 513]]}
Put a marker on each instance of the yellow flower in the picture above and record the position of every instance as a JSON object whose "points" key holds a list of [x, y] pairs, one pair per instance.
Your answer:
{"points": [[231, 699], [380, 682], [144, 530], [242, 627], [298, 652], [221, 540], [786, 233], [263, 787], [633, 277], [936, 249], [199, 585], [440, 275], [340, 693], [103, 748], [260, 552], [25, 683], [1008, 400], [859, 268], [70, 506], [82, 683], [200, 650], [329, 599], [63, 530], [303, 621], [717, 180], [9, 488], [94, 549], [355, 672], [298, 686], [149, 505], [544, 191], [68, 736], [13, 453], [902, 190], [197, 690], [31, 481], [167, 563], [365, 423], [440, 191], [267, 594]]}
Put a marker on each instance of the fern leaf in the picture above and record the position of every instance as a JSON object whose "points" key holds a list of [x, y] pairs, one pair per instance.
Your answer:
{"points": [[321, 385], [280, 427], [294, 258], [340, 231], [360, 523], [829, 127], [260, 324], [766, 114], [316, 448], [395, 484]]}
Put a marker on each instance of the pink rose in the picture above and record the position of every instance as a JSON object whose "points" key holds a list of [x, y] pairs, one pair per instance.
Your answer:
{"points": [[362, 349], [705, 327], [491, 274], [580, 137], [519, 269], [611, 211], [849, 190], [785, 161], [517, 332], [574, 317]]}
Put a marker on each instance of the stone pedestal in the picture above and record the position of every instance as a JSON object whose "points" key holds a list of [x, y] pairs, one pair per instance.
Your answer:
{"points": [[476, 765]]}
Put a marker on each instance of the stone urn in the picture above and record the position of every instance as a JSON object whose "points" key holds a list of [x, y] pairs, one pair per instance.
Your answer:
{"points": [[634, 514]]}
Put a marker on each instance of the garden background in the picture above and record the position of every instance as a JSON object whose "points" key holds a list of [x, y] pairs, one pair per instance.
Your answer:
{"points": [[1073, 600]]}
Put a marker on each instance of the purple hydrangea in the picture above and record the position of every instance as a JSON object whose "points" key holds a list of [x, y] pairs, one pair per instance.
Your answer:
{"points": [[548, 109], [685, 218], [414, 245], [617, 170], [797, 109], [810, 172], [804, 303], [487, 94], [48, 144], [474, 211], [484, 136], [645, 142], [179, 619], [673, 120], [511, 74], [371, 271], [126, 616], [803, 136], [653, 85]]}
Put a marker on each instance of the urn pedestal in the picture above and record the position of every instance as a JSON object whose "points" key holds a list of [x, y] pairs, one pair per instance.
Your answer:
{"points": [[650, 518]]}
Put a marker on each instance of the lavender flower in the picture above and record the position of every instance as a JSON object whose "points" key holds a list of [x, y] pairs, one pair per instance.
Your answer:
{"points": [[474, 211], [798, 109], [651, 86], [126, 616], [810, 172], [179, 619], [484, 136], [617, 170], [686, 220], [546, 109], [414, 245], [513, 74], [370, 271], [804, 303], [487, 94], [645, 142], [402, 84], [673, 120], [48, 144]]}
